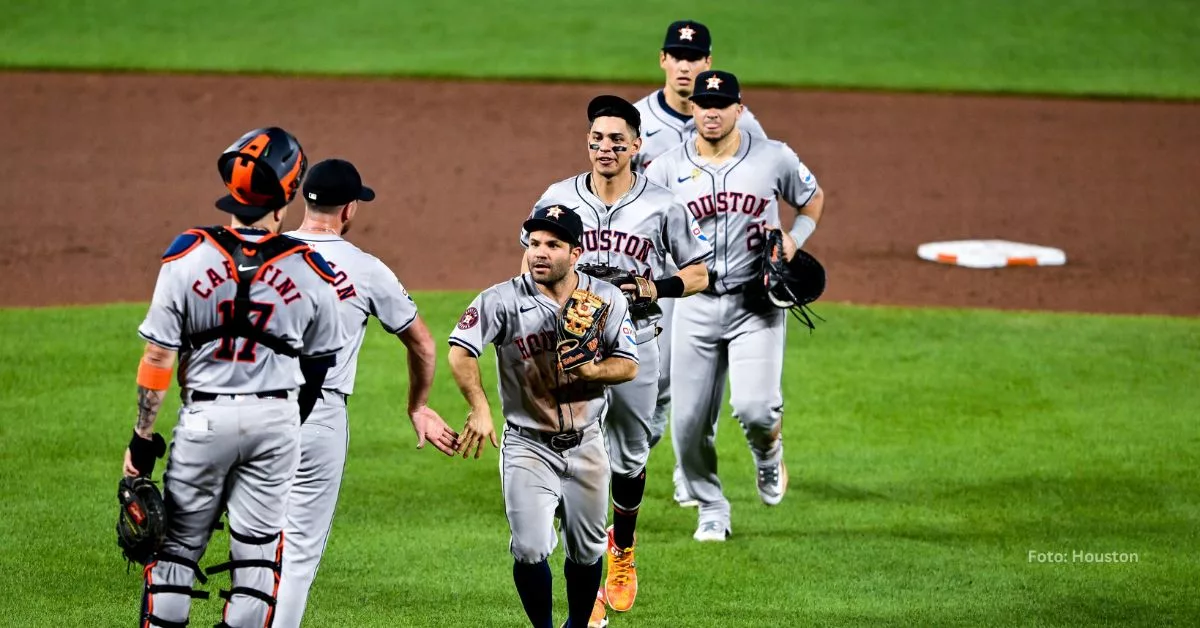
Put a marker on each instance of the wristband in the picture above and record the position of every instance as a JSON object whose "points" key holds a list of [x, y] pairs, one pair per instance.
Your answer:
{"points": [[669, 288], [143, 451], [153, 377], [802, 229]]}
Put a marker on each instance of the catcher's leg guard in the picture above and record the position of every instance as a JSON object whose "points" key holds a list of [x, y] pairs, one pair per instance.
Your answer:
{"points": [[167, 596], [254, 567]]}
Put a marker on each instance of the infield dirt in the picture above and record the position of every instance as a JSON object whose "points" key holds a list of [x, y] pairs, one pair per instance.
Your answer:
{"points": [[100, 171]]}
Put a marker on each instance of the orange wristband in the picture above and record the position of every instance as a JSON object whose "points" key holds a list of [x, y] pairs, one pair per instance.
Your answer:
{"points": [[153, 377]]}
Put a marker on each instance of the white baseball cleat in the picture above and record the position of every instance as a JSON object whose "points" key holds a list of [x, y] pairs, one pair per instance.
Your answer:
{"points": [[711, 531], [772, 482]]}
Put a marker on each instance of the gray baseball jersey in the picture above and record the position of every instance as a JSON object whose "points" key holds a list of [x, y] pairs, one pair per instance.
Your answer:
{"points": [[233, 453], [638, 233], [521, 321], [365, 287], [735, 201], [195, 291], [713, 333], [663, 128]]}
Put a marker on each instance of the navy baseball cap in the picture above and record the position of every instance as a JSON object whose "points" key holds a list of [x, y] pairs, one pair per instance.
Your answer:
{"points": [[617, 107], [688, 35], [714, 88], [562, 221], [335, 182]]}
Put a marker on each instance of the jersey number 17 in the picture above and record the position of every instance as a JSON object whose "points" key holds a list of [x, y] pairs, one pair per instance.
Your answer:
{"points": [[259, 314]]}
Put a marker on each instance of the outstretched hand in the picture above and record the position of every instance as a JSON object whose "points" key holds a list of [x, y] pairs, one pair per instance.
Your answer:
{"points": [[479, 428], [430, 428]]}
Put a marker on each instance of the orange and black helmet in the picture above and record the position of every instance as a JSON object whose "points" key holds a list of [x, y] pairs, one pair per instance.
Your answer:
{"points": [[262, 170]]}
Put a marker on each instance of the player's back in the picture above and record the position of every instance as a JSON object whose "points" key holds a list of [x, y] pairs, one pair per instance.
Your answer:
{"points": [[365, 287], [289, 299]]}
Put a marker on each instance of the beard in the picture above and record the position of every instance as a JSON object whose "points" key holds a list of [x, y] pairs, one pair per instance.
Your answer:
{"points": [[553, 275]]}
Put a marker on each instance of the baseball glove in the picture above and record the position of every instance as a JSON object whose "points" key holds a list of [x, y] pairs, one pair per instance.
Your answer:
{"points": [[580, 328], [142, 522], [640, 291], [786, 285]]}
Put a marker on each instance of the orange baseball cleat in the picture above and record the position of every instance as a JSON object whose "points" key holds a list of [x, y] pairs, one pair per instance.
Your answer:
{"points": [[620, 586]]}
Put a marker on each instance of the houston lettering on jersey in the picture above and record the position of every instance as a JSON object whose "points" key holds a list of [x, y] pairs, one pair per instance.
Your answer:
{"points": [[216, 276], [536, 344], [605, 240], [728, 202]]}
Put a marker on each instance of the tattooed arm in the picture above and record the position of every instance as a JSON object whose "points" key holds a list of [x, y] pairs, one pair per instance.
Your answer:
{"points": [[154, 376]]}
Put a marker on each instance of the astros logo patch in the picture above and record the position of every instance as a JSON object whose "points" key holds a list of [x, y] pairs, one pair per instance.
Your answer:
{"points": [[469, 318]]}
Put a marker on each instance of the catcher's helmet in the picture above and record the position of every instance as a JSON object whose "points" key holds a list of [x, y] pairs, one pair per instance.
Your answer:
{"points": [[262, 170]]}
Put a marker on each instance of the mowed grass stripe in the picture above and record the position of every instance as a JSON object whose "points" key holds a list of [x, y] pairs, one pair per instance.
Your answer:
{"points": [[930, 451], [1108, 47]]}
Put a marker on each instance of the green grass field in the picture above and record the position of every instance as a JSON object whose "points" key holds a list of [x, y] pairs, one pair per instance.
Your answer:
{"points": [[1110, 47], [930, 451]]}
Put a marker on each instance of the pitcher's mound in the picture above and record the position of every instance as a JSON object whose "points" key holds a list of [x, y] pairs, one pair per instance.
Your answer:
{"points": [[991, 254]]}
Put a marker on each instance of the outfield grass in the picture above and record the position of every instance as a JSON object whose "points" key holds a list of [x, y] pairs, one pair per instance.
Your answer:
{"points": [[930, 452], [1113, 47]]}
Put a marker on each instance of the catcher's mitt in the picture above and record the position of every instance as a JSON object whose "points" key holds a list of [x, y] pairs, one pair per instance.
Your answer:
{"points": [[640, 291], [786, 285], [142, 523], [580, 327]]}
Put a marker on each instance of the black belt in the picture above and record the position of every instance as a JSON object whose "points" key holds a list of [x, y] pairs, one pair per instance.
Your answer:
{"points": [[557, 441], [711, 290], [198, 395]]}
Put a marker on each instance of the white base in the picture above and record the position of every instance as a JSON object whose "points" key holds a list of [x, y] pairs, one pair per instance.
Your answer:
{"points": [[991, 254]]}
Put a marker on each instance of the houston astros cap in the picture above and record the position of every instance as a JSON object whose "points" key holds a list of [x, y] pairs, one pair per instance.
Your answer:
{"points": [[688, 35], [560, 220], [335, 182], [716, 88], [617, 107]]}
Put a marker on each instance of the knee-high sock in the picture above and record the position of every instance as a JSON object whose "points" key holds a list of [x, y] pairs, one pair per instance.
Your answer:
{"points": [[534, 585], [583, 581], [627, 499]]}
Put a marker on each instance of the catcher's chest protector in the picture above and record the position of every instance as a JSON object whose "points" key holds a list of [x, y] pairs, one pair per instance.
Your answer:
{"points": [[247, 259]]}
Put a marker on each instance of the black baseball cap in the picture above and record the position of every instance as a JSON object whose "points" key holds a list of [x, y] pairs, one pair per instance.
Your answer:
{"points": [[562, 221], [617, 107], [688, 35], [716, 88], [335, 182]]}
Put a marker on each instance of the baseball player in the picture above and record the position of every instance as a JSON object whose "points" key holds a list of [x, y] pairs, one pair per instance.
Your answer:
{"points": [[633, 225], [553, 461], [731, 181], [252, 316], [365, 287], [667, 120]]}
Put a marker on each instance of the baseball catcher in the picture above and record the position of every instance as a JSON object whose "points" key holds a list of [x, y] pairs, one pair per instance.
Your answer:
{"points": [[786, 285]]}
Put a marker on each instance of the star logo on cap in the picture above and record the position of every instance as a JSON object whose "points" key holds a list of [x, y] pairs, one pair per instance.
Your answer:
{"points": [[554, 212], [713, 82], [685, 33]]}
